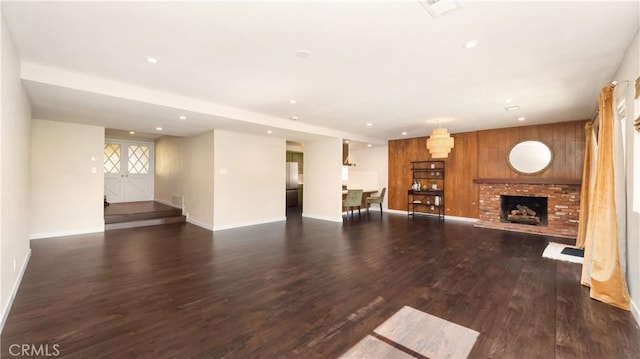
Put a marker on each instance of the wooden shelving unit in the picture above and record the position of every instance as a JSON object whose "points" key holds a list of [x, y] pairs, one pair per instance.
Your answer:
{"points": [[428, 196]]}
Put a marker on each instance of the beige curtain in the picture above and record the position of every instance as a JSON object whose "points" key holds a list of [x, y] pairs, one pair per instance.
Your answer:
{"points": [[603, 270], [586, 192]]}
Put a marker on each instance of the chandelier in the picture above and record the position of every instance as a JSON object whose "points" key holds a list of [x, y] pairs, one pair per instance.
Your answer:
{"points": [[440, 143]]}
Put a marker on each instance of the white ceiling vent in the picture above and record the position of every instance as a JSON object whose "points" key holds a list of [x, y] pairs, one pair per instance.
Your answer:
{"points": [[438, 8]]}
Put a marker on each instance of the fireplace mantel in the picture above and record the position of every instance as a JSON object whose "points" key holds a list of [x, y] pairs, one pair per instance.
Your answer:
{"points": [[549, 181]]}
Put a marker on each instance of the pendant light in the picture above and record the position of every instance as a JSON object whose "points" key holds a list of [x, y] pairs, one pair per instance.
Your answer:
{"points": [[440, 143]]}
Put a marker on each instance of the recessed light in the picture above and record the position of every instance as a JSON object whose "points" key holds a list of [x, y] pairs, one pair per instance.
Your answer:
{"points": [[369, 145], [346, 141], [509, 100], [404, 133], [152, 60], [159, 128], [182, 117], [303, 53], [521, 118], [470, 44], [293, 102], [132, 132], [295, 118], [512, 108], [369, 124]]}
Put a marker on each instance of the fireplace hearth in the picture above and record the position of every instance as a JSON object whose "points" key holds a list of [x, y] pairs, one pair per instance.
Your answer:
{"points": [[525, 210]]}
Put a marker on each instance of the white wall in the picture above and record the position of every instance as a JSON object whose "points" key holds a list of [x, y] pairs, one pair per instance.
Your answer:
{"points": [[198, 179], [371, 170], [629, 71], [15, 144], [322, 191], [169, 168], [249, 184], [66, 196]]}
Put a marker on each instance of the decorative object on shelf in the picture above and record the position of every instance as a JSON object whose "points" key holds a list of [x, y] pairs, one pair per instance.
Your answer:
{"points": [[434, 185], [440, 143]]}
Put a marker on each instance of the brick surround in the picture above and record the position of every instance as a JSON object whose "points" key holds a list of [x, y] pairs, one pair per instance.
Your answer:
{"points": [[563, 207]]}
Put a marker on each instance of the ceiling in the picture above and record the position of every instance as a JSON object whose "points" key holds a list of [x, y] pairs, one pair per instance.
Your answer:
{"points": [[390, 64]]}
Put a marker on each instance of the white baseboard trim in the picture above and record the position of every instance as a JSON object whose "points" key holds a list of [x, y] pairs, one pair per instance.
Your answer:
{"points": [[396, 211], [66, 233], [14, 290], [200, 224], [635, 312], [250, 223], [323, 218], [447, 217], [461, 219]]}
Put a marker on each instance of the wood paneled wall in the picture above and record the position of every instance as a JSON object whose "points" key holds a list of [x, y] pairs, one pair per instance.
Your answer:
{"points": [[566, 140], [483, 154]]}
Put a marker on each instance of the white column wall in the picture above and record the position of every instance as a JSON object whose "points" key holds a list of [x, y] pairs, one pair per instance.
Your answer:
{"points": [[249, 179], [15, 146], [66, 193], [322, 191], [198, 179]]}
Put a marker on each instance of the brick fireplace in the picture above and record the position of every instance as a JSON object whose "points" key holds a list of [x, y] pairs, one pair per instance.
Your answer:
{"points": [[562, 199]]}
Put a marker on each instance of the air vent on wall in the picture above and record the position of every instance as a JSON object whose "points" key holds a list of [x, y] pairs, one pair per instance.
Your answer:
{"points": [[438, 8]]}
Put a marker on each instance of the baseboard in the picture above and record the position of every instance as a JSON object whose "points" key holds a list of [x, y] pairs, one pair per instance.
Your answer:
{"points": [[250, 223], [461, 219], [168, 203], [200, 224], [66, 233], [395, 211], [323, 218], [447, 217], [14, 290], [635, 312]]}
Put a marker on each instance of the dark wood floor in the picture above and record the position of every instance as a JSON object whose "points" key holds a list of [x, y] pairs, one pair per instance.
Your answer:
{"points": [[290, 290]]}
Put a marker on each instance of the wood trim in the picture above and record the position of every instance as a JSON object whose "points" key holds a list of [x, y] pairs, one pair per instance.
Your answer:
{"points": [[526, 181]]}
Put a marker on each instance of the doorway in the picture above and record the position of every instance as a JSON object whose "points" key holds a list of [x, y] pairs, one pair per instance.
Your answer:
{"points": [[128, 171]]}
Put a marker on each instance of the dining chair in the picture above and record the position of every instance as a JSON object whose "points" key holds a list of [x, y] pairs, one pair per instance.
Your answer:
{"points": [[354, 199], [377, 199]]}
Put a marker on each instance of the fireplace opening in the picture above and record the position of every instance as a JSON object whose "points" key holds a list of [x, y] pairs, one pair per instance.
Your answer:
{"points": [[523, 210]]}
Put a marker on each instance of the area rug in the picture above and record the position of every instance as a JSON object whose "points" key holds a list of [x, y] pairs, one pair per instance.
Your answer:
{"points": [[554, 251], [573, 252]]}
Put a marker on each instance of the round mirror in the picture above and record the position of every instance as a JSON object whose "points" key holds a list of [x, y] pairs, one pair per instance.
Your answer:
{"points": [[530, 157]]}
